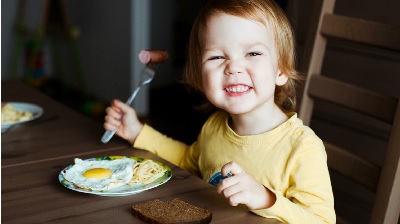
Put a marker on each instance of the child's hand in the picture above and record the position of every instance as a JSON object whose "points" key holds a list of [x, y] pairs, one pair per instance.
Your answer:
{"points": [[122, 116], [241, 188]]}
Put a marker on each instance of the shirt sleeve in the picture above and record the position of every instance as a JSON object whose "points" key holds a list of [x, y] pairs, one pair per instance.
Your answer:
{"points": [[309, 198], [176, 152]]}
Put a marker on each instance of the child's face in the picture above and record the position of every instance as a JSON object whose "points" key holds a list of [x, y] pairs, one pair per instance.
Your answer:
{"points": [[239, 64]]}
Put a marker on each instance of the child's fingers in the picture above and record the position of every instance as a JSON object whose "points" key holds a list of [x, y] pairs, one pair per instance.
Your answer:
{"points": [[109, 126], [113, 112], [234, 199], [227, 187], [125, 108], [231, 168], [118, 109], [116, 103], [114, 120]]}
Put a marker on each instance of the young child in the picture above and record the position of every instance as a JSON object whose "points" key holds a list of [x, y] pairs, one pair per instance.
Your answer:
{"points": [[241, 56]]}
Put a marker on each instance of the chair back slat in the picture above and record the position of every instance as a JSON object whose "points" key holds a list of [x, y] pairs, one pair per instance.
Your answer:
{"points": [[361, 171], [362, 31], [353, 97]]}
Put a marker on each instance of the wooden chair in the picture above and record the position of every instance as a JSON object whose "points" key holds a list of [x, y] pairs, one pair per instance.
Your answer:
{"points": [[383, 181]]}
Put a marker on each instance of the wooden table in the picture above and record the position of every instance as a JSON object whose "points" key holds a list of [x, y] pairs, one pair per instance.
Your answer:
{"points": [[60, 132], [31, 192]]}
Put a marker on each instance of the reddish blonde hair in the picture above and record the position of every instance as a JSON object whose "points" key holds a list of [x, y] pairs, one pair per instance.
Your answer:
{"points": [[259, 11]]}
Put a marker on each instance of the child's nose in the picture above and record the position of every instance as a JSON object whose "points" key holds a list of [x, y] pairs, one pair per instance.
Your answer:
{"points": [[234, 67]]}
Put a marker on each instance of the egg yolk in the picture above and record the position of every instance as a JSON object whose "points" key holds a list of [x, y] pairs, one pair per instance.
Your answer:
{"points": [[97, 173]]}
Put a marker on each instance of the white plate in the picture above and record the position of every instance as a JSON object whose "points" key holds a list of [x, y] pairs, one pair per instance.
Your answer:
{"points": [[122, 190], [36, 111]]}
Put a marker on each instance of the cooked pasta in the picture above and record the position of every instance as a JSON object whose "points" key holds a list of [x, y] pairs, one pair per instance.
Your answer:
{"points": [[146, 172], [10, 114]]}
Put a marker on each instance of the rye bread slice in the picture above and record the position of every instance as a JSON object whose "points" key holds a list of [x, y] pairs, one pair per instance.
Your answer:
{"points": [[174, 211]]}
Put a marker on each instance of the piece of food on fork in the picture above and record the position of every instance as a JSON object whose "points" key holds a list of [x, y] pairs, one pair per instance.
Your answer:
{"points": [[152, 56]]}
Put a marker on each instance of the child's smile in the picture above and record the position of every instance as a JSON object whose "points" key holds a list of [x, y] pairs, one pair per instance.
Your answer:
{"points": [[237, 89]]}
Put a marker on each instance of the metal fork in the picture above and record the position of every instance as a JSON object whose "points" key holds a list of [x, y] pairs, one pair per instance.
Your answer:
{"points": [[146, 77]]}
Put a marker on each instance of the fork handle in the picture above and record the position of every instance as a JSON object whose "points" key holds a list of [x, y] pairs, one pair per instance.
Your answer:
{"points": [[133, 95], [108, 135]]}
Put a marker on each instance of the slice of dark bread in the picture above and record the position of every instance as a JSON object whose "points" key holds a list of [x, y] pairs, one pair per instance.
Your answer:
{"points": [[174, 211]]}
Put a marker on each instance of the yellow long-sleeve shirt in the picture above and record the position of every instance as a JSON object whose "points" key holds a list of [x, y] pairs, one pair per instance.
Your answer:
{"points": [[290, 160]]}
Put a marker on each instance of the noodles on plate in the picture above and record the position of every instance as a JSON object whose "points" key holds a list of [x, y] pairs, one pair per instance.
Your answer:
{"points": [[10, 114], [146, 172]]}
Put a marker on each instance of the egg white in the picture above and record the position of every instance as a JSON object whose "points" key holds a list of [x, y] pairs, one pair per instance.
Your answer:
{"points": [[122, 171]]}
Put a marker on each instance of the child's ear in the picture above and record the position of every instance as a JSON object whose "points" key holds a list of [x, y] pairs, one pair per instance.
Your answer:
{"points": [[281, 78]]}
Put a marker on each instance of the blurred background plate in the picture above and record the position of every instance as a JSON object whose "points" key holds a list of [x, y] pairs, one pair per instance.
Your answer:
{"points": [[36, 111]]}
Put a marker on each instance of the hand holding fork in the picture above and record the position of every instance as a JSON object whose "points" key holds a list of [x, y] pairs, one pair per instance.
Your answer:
{"points": [[152, 59]]}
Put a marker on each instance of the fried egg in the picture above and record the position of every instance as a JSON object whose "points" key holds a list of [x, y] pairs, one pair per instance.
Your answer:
{"points": [[100, 175]]}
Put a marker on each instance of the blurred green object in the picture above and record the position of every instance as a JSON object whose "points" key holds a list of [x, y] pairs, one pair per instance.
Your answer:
{"points": [[94, 109]]}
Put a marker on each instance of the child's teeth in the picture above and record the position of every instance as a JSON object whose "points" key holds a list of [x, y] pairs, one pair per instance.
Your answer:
{"points": [[237, 89]]}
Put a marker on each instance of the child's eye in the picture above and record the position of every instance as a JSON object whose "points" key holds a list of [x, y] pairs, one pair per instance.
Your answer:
{"points": [[215, 58], [252, 54]]}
